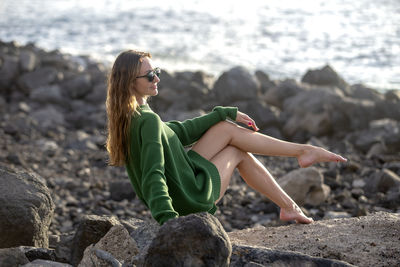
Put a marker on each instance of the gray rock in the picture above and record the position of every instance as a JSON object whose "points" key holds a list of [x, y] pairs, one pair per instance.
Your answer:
{"points": [[40, 77], [360, 91], [193, 240], [120, 190], [235, 85], [8, 71], [48, 94], [12, 257], [257, 256], [142, 231], [384, 131], [305, 186], [326, 76], [265, 116], [264, 81], [381, 181], [78, 87], [392, 95], [45, 263], [116, 242], [28, 61], [276, 95], [48, 118], [90, 230], [336, 215], [98, 94], [25, 220]]}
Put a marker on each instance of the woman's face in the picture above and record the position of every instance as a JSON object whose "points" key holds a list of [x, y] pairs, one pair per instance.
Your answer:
{"points": [[144, 87]]}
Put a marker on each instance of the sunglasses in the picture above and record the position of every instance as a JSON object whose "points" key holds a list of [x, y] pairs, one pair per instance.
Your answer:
{"points": [[151, 74]]}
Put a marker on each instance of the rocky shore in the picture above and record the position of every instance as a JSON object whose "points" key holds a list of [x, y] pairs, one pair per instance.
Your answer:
{"points": [[52, 126]]}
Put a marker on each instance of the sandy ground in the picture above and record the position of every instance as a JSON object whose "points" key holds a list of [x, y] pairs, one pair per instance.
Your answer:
{"points": [[372, 240]]}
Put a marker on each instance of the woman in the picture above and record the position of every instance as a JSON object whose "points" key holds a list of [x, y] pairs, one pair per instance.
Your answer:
{"points": [[172, 182]]}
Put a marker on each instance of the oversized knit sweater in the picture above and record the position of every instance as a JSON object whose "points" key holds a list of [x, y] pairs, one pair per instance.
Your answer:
{"points": [[171, 181]]}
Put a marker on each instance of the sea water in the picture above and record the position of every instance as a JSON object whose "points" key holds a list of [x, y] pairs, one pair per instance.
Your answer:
{"points": [[359, 39]]}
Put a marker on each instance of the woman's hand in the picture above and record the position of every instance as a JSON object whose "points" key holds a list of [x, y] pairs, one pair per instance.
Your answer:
{"points": [[245, 119]]}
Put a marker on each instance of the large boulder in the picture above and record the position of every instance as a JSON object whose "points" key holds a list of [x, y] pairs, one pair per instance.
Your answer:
{"points": [[8, 71], [326, 76], [193, 240], [285, 89], [12, 257], [90, 230], [37, 78], [305, 186], [26, 209], [235, 85], [116, 245]]}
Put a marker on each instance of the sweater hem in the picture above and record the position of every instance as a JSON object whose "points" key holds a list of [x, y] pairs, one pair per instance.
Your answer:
{"points": [[215, 178]]}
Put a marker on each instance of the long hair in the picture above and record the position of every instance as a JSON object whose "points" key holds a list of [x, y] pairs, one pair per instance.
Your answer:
{"points": [[121, 104]]}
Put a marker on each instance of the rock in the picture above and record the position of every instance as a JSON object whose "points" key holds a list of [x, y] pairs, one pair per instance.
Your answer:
{"points": [[48, 118], [33, 253], [326, 76], [45, 263], [264, 81], [142, 231], [193, 240], [336, 215], [250, 256], [120, 190], [40, 77], [28, 61], [370, 240], [276, 95], [50, 94], [98, 95], [26, 209], [265, 116], [8, 71], [12, 257], [117, 242], [90, 230], [384, 131], [360, 91], [77, 87], [392, 95], [305, 186], [387, 180], [237, 84]]}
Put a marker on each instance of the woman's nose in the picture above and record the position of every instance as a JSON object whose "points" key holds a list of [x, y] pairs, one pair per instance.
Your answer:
{"points": [[156, 79]]}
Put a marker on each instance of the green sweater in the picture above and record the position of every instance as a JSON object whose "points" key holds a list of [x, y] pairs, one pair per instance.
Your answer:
{"points": [[170, 181]]}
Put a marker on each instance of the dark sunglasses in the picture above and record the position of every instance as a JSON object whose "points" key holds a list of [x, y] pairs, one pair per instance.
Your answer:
{"points": [[151, 74]]}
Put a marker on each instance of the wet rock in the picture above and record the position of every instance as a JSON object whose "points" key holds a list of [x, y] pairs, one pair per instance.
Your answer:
{"points": [[305, 186], [193, 240], [235, 85], [25, 220], [91, 229], [116, 242]]}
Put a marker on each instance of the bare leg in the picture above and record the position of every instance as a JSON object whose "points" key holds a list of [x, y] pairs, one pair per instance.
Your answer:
{"points": [[225, 133], [226, 144], [257, 177]]}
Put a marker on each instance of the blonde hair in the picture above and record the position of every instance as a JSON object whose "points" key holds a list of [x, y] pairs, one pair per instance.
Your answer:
{"points": [[121, 103]]}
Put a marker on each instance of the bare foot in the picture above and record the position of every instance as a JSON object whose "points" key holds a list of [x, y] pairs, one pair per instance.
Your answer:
{"points": [[313, 154], [294, 214]]}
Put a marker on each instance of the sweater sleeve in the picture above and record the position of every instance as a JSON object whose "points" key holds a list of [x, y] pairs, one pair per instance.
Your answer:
{"points": [[153, 184], [189, 131]]}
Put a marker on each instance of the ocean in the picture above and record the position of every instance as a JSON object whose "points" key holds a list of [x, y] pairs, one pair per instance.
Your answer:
{"points": [[359, 39]]}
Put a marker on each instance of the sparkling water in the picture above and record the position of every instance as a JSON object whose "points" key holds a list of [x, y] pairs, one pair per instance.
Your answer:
{"points": [[359, 39]]}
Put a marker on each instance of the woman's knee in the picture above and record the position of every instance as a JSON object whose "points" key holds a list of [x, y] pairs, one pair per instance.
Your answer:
{"points": [[224, 127], [239, 154]]}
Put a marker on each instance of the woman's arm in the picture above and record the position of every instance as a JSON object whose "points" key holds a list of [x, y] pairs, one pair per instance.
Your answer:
{"points": [[189, 131], [153, 184]]}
